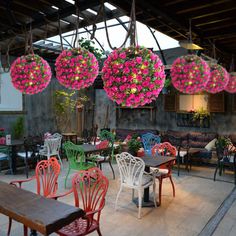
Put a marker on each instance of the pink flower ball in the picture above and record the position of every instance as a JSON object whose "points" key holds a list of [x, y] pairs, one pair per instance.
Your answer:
{"points": [[219, 79], [231, 86], [133, 76], [190, 74], [30, 74], [76, 68]]}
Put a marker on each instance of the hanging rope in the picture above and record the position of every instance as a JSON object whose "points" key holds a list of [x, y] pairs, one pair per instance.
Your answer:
{"points": [[77, 22], [60, 33], [132, 15]]}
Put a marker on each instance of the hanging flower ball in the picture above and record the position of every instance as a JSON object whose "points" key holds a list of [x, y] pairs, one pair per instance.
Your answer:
{"points": [[190, 74], [231, 86], [30, 74], [133, 76], [76, 68], [219, 78]]}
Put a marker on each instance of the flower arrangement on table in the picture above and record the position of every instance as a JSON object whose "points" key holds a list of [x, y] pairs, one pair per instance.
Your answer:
{"points": [[134, 144], [231, 86], [30, 74], [133, 76], [76, 68], [219, 79], [190, 74]]}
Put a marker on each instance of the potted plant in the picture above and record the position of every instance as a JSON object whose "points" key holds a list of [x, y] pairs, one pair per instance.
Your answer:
{"points": [[200, 115], [134, 144], [18, 128]]}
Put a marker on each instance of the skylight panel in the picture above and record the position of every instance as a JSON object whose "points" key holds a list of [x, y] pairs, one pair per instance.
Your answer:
{"points": [[66, 22], [109, 6], [71, 1], [54, 7], [91, 11]]}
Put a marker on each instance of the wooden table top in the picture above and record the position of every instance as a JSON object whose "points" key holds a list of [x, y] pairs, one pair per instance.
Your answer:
{"points": [[157, 161], [15, 142], [89, 148], [34, 211]]}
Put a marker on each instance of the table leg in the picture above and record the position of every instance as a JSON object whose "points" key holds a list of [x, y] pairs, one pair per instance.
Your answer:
{"points": [[146, 202]]}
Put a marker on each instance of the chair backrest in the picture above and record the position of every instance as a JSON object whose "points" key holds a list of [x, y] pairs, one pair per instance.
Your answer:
{"points": [[149, 140], [131, 169], [53, 145], [47, 172], [164, 149], [75, 154], [102, 144], [56, 135], [90, 188], [4, 153]]}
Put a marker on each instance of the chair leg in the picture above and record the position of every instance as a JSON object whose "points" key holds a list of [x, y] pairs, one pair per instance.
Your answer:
{"points": [[9, 226], [25, 231], [112, 169], [139, 203], [154, 194], [99, 231], [173, 186], [26, 168], [160, 189], [67, 176], [216, 172], [60, 160], [118, 194]]}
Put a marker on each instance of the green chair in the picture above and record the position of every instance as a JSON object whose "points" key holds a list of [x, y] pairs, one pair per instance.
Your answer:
{"points": [[76, 158], [106, 135]]}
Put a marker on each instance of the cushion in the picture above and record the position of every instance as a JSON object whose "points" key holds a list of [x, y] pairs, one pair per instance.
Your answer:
{"points": [[3, 156], [211, 145]]}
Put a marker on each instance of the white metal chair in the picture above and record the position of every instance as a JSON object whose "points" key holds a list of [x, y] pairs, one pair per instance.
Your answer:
{"points": [[132, 175], [52, 147]]}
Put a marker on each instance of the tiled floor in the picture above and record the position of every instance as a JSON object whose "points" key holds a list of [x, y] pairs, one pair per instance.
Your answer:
{"points": [[197, 199]]}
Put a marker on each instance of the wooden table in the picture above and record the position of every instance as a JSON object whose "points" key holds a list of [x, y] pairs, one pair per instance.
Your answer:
{"points": [[89, 148], [153, 162], [34, 211], [15, 143]]}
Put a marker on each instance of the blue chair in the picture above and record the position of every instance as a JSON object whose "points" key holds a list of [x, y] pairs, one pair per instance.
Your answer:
{"points": [[149, 140], [4, 154]]}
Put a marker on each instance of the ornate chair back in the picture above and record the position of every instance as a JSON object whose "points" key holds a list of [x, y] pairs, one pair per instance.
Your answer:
{"points": [[106, 135], [149, 140], [75, 154], [131, 169], [102, 144], [90, 188], [164, 149], [47, 173], [53, 146]]}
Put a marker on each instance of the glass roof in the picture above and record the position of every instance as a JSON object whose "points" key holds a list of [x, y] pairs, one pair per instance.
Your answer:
{"points": [[117, 34]]}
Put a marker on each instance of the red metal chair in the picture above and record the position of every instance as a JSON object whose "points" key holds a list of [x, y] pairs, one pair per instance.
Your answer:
{"points": [[90, 188], [165, 171], [46, 176]]}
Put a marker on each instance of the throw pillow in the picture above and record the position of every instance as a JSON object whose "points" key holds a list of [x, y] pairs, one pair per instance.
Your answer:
{"points": [[211, 145]]}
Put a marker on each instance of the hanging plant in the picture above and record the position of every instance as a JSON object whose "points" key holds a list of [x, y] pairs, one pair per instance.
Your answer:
{"points": [[30, 74], [190, 74], [219, 78], [133, 76], [76, 68], [231, 86]]}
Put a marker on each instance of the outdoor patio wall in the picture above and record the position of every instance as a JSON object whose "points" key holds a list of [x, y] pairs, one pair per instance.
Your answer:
{"points": [[222, 123]]}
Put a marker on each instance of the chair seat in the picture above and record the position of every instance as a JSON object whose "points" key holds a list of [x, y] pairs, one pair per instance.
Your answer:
{"points": [[77, 228], [145, 180], [3, 156], [182, 153], [100, 158], [23, 154]]}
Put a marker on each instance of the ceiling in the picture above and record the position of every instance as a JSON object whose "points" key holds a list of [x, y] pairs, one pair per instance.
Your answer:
{"points": [[213, 22]]}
